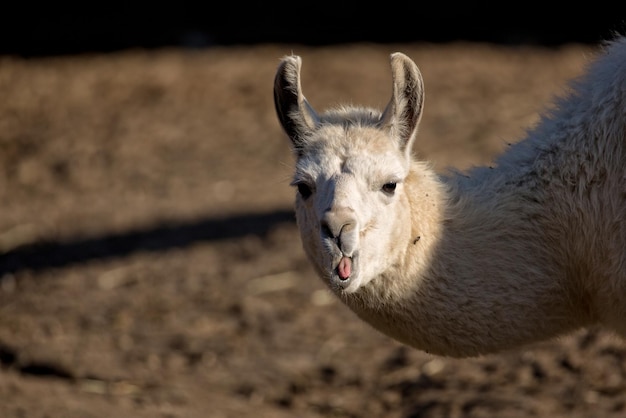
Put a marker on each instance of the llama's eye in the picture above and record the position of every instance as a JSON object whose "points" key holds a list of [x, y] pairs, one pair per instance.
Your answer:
{"points": [[389, 188], [304, 190]]}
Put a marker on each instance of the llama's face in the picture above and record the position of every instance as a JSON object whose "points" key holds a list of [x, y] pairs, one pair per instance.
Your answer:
{"points": [[349, 191], [352, 209]]}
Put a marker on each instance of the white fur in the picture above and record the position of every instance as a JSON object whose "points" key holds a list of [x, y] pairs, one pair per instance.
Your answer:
{"points": [[465, 265]]}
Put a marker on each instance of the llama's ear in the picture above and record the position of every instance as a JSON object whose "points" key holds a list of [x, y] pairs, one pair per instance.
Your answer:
{"points": [[296, 115], [403, 113]]}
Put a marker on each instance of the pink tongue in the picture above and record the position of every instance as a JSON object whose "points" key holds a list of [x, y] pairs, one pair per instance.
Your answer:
{"points": [[344, 268]]}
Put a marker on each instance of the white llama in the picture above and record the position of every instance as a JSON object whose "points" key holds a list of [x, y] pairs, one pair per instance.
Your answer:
{"points": [[464, 265]]}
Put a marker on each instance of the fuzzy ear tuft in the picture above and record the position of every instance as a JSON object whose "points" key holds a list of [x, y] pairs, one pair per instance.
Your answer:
{"points": [[295, 114], [404, 111]]}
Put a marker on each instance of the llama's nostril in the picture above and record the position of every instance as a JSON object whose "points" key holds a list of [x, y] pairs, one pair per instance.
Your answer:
{"points": [[326, 230], [337, 222]]}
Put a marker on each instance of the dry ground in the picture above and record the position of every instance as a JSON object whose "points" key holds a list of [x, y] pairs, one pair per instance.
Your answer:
{"points": [[150, 265]]}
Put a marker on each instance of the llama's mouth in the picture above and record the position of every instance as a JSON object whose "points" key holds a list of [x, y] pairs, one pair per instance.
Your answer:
{"points": [[344, 268], [345, 273]]}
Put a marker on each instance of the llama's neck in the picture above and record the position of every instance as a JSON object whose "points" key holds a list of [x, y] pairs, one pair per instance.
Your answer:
{"points": [[476, 276]]}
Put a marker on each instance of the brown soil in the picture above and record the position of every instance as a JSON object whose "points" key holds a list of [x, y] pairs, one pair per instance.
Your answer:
{"points": [[150, 265]]}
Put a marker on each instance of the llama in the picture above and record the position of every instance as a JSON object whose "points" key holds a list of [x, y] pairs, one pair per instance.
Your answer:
{"points": [[469, 264]]}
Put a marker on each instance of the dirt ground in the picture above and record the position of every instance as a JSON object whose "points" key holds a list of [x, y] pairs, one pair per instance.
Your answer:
{"points": [[150, 265]]}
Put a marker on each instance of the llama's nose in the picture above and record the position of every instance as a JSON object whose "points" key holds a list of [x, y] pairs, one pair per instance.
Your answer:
{"points": [[338, 221]]}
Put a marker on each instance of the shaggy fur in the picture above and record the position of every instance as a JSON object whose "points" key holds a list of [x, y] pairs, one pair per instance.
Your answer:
{"points": [[463, 265]]}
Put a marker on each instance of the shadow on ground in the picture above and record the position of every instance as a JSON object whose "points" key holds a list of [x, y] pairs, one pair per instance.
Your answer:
{"points": [[49, 253]]}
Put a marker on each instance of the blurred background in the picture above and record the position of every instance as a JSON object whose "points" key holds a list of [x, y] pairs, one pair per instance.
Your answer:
{"points": [[43, 29]]}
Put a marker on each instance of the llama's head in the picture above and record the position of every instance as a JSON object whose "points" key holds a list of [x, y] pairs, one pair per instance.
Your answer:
{"points": [[351, 204]]}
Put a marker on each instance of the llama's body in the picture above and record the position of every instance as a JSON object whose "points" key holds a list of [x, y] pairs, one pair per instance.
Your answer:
{"points": [[464, 265]]}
